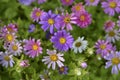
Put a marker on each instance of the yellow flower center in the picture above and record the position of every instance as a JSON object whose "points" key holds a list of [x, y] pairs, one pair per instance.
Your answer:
{"points": [[9, 37], [50, 21], [102, 46], [67, 0], [111, 33], [67, 19], [15, 47], [54, 57], [62, 69], [113, 4], [82, 18], [77, 8], [62, 40], [38, 13], [92, 0], [115, 60], [7, 58], [35, 47], [78, 44]]}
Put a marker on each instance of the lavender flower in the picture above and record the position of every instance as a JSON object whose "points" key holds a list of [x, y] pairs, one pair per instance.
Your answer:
{"points": [[31, 28], [63, 70], [92, 2]]}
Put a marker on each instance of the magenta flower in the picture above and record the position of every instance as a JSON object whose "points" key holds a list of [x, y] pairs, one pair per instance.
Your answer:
{"points": [[109, 25], [50, 20], [83, 19], [36, 14], [111, 6], [24, 63], [92, 2], [32, 47], [67, 2], [62, 40], [78, 8], [104, 47], [113, 59], [67, 20]]}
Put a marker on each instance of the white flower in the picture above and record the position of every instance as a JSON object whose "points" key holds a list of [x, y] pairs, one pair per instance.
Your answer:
{"points": [[53, 58], [6, 59], [112, 36], [77, 71], [15, 48], [79, 45]]}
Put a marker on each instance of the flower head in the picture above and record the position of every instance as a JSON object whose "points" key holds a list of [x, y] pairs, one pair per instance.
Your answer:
{"points": [[79, 45], [32, 47], [92, 2], [53, 58], [113, 59], [63, 70], [67, 2], [84, 65], [26, 2], [41, 1], [31, 28], [111, 6], [118, 22], [109, 25], [50, 20], [62, 40], [6, 59], [24, 63]]}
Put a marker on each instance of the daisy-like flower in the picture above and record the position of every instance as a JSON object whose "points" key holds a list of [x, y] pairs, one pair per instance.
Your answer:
{"points": [[104, 47], [15, 48], [67, 20], [114, 61], [32, 47], [53, 58], [83, 19], [109, 25], [62, 40], [36, 14], [67, 2], [49, 20], [113, 35], [92, 2], [79, 45], [41, 1], [63, 70], [78, 8], [6, 59], [26, 2], [111, 6], [24, 63], [31, 28]]}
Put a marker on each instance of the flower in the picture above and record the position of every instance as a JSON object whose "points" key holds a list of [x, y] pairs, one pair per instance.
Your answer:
{"points": [[67, 2], [78, 8], [49, 20], [111, 6], [32, 47], [92, 2], [9, 37], [45, 75], [104, 47], [83, 19], [31, 28], [41, 1], [6, 59], [36, 14], [26, 2], [113, 35], [62, 40], [53, 58], [77, 71], [66, 21], [109, 25], [79, 45], [63, 70], [113, 59], [15, 48], [84, 65], [24, 63], [48, 35], [118, 22]]}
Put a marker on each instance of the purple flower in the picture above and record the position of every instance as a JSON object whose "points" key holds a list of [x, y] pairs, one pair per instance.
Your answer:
{"points": [[114, 61], [53, 58], [32, 47], [36, 14], [118, 22], [83, 19], [48, 35], [41, 1], [67, 2], [104, 47], [109, 25], [62, 40], [92, 2], [111, 6], [50, 20], [31, 28], [67, 20], [24, 63], [26, 2], [63, 70], [84, 65]]}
